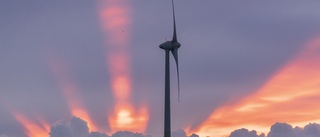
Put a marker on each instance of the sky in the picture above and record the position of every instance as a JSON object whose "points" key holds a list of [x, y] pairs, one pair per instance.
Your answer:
{"points": [[243, 64]]}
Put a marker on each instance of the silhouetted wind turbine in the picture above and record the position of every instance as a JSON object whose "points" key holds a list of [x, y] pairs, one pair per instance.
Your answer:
{"points": [[168, 46]]}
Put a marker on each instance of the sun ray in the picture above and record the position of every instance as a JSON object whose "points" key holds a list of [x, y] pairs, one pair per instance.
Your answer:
{"points": [[116, 24], [70, 91], [35, 127], [31, 128]]}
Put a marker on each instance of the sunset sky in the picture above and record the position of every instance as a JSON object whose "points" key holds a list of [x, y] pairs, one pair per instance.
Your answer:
{"points": [[243, 64]]}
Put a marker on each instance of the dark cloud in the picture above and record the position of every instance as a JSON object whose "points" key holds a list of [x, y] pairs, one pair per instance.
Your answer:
{"points": [[179, 133], [286, 130], [79, 127], [128, 134], [176, 133], [282, 130], [245, 133], [194, 135], [98, 134], [60, 128], [311, 130], [76, 127]]}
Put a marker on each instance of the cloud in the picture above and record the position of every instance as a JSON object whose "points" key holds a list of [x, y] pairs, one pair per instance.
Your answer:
{"points": [[79, 127], [282, 130], [182, 133], [176, 133], [311, 130], [245, 133], [3, 136], [98, 134], [194, 135], [128, 134], [76, 127], [60, 128], [179, 133]]}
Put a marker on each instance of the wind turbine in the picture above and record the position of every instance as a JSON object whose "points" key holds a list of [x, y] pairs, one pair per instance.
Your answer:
{"points": [[170, 46]]}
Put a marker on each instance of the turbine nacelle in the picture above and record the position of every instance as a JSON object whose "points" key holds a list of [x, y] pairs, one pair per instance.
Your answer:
{"points": [[169, 45]]}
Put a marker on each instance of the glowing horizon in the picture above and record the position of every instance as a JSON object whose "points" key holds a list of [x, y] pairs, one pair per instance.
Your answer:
{"points": [[288, 96]]}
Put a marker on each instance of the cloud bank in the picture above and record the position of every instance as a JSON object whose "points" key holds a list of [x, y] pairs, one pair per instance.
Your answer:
{"points": [[282, 130], [76, 127], [286, 130]]}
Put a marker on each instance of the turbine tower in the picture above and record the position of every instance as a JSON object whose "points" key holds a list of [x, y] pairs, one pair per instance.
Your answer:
{"points": [[170, 46]]}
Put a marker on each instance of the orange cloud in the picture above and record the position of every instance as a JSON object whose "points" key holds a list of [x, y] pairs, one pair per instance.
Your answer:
{"points": [[290, 95], [116, 23]]}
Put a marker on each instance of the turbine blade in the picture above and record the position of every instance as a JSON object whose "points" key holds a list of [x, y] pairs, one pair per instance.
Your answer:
{"points": [[175, 55], [174, 39]]}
